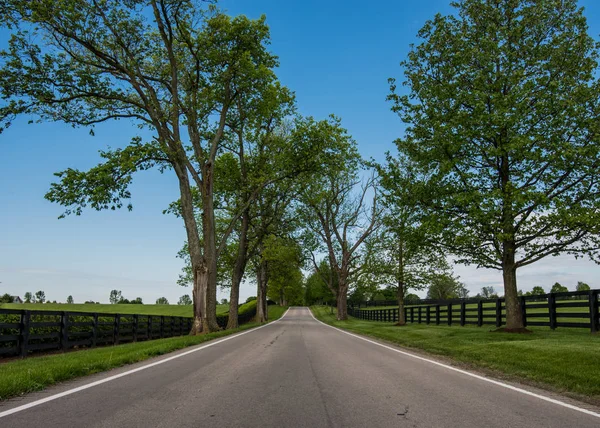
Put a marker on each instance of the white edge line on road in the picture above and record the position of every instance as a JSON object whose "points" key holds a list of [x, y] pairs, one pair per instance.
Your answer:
{"points": [[147, 366], [485, 379]]}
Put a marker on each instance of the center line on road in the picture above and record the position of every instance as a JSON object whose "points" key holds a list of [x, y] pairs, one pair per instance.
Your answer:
{"points": [[476, 376], [127, 373]]}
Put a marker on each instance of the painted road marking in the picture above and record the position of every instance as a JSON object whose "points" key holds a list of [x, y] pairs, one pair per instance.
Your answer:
{"points": [[476, 376], [127, 373]]}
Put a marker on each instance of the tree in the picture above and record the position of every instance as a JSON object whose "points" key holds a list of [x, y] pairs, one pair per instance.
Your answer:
{"points": [[40, 297], [184, 300], [162, 301], [224, 301], [70, 300], [403, 253], [489, 292], [6, 298], [137, 301], [169, 66], [28, 297], [582, 286], [558, 288], [537, 291], [316, 289], [115, 297], [503, 126], [444, 287]]}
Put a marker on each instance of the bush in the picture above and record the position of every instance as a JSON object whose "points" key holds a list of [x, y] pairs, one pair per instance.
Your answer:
{"points": [[251, 298]]}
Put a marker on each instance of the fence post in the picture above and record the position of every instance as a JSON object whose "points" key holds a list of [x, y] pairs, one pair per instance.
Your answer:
{"points": [[95, 330], [594, 321], [552, 310], [25, 319], [449, 313], [64, 330], [134, 327], [437, 314], [149, 331], [181, 326], [162, 326], [498, 312], [419, 319], [463, 314], [523, 310], [412, 315], [116, 329], [428, 314], [479, 313]]}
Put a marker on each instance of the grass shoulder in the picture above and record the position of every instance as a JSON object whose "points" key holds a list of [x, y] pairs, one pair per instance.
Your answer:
{"points": [[564, 361], [18, 377]]}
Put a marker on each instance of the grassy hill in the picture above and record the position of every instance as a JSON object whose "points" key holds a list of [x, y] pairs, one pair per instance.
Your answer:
{"points": [[169, 310]]}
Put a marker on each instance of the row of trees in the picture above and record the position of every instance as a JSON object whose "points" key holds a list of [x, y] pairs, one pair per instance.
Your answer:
{"points": [[498, 166]]}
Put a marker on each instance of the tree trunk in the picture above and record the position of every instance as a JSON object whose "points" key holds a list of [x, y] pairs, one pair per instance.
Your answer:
{"points": [[209, 320], [261, 293], [198, 262], [342, 302], [401, 309], [238, 272], [514, 317]]}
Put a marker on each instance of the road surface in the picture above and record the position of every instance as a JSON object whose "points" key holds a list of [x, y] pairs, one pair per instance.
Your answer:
{"points": [[295, 372]]}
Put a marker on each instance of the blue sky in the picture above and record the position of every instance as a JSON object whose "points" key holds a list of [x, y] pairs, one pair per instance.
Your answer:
{"points": [[337, 57]]}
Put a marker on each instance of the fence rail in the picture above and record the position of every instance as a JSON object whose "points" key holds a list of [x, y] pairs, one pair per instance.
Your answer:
{"points": [[577, 309], [27, 331]]}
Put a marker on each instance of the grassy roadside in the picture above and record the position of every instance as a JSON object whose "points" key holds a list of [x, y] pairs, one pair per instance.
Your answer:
{"points": [[18, 377], [567, 361]]}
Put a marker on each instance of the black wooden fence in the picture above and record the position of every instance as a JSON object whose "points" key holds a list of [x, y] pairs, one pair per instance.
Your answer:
{"points": [[572, 309], [26, 331]]}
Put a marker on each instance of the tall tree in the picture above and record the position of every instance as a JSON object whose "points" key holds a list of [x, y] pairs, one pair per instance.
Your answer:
{"points": [[185, 300], [162, 301], [40, 297], [338, 219], [28, 297], [445, 286], [503, 127], [169, 66], [70, 300], [115, 297], [404, 254]]}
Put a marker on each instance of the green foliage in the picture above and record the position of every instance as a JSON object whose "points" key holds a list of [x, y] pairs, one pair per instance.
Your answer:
{"points": [[444, 287], [28, 297], [502, 115], [284, 260], [40, 296], [249, 299], [536, 291], [582, 286], [162, 301], [316, 289], [185, 300], [558, 288], [70, 300], [115, 296], [6, 298]]}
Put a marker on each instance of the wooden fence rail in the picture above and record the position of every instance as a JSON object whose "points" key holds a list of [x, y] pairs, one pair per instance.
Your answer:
{"points": [[577, 309], [26, 331]]}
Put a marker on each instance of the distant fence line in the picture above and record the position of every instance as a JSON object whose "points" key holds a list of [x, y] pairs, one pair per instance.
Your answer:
{"points": [[26, 331], [535, 309]]}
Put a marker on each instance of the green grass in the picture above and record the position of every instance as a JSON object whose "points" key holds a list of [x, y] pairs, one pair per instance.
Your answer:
{"points": [[169, 310], [565, 360], [18, 377]]}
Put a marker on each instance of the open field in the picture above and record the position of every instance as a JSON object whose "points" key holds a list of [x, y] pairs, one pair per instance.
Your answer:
{"points": [[565, 360], [168, 310], [21, 376]]}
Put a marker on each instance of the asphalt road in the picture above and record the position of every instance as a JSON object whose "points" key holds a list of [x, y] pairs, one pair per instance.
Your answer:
{"points": [[295, 372]]}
